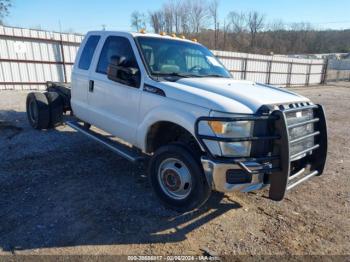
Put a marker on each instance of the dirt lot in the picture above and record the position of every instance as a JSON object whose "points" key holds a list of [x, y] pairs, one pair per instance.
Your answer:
{"points": [[61, 193]]}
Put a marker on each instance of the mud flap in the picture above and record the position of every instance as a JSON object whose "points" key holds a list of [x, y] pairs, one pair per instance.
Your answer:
{"points": [[279, 179]]}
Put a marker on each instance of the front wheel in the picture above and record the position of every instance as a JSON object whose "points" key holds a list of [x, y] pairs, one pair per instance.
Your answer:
{"points": [[178, 178]]}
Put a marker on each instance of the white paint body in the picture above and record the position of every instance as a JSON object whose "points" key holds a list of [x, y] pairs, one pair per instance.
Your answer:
{"points": [[128, 112]]}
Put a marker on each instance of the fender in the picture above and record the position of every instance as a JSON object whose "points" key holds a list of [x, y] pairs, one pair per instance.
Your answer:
{"points": [[185, 119]]}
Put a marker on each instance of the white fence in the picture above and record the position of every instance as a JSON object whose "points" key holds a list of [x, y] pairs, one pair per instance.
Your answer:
{"points": [[275, 70], [29, 58]]}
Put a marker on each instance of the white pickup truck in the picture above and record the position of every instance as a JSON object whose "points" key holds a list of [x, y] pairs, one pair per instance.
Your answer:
{"points": [[175, 106]]}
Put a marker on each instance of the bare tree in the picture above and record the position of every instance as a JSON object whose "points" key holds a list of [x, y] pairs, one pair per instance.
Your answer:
{"points": [[175, 6], [213, 10], [225, 30], [4, 8], [184, 16], [157, 21], [275, 42], [242, 32], [168, 17], [198, 14], [255, 23], [301, 35], [276, 25], [237, 21], [237, 25], [174, 16], [138, 20]]}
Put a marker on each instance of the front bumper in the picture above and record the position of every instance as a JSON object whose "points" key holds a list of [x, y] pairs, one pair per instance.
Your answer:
{"points": [[280, 167], [216, 173]]}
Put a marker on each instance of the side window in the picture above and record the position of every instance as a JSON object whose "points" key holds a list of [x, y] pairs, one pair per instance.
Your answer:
{"points": [[88, 52], [115, 46]]}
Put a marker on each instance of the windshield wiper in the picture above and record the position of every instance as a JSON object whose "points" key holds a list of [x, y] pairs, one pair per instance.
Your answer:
{"points": [[213, 75], [210, 75], [171, 74], [181, 75]]}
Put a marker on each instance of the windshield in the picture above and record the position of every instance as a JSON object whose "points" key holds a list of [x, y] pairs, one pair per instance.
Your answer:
{"points": [[173, 58]]}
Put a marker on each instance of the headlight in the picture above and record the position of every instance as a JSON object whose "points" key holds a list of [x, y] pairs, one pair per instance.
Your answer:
{"points": [[235, 129]]}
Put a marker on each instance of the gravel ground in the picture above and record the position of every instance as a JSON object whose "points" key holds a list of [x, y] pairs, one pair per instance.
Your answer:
{"points": [[61, 193]]}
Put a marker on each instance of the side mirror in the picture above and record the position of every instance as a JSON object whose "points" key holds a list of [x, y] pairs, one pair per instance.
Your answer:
{"points": [[120, 70]]}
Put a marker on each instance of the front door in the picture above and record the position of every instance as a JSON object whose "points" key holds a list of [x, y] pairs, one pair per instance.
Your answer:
{"points": [[115, 105]]}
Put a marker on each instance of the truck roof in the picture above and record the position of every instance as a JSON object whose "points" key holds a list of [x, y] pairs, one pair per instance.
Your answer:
{"points": [[136, 34]]}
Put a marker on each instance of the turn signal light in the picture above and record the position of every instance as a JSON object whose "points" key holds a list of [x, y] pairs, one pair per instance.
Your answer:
{"points": [[216, 126]]}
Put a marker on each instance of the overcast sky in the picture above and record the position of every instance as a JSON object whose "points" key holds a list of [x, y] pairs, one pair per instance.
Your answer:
{"points": [[85, 15]]}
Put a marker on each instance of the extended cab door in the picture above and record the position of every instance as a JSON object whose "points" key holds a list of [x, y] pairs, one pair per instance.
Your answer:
{"points": [[81, 76], [114, 106]]}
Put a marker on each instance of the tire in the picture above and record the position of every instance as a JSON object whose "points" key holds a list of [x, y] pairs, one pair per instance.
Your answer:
{"points": [[184, 194], [56, 108], [38, 111]]}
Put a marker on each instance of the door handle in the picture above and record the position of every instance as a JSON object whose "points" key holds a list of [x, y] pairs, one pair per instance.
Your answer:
{"points": [[91, 86]]}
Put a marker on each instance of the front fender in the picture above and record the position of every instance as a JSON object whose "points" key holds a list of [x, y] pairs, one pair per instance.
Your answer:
{"points": [[185, 118], [168, 114]]}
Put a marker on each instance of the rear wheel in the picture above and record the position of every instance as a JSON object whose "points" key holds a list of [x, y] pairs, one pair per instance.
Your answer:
{"points": [[38, 111], [178, 178]]}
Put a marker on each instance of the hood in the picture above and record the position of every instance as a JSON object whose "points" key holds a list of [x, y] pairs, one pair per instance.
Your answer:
{"points": [[228, 95]]}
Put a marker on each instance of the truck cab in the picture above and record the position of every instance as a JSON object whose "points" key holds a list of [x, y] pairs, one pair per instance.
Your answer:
{"points": [[173, 101]]}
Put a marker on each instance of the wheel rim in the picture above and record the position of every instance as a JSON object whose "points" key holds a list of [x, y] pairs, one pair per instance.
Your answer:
{"points": [[33, 111], [175, 178]]}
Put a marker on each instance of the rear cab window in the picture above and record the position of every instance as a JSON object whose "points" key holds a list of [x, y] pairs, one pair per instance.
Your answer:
{"points": [[88, 52]]}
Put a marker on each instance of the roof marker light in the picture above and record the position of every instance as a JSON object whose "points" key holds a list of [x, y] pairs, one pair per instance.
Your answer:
{"points": [[173, 35], [194, 40], [162, 33], [143, 31], [183, 37]]}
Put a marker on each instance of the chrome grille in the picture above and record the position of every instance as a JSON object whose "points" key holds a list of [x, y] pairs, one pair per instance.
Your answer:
{"points": [[300, 131], [300, 122]]}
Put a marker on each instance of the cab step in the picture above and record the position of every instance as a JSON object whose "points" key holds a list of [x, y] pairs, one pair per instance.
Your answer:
{"points": [[119, 148]]}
